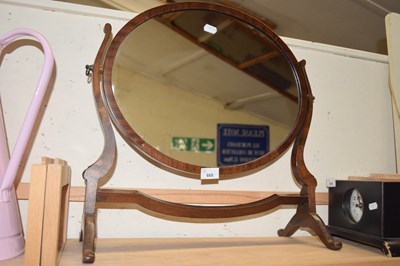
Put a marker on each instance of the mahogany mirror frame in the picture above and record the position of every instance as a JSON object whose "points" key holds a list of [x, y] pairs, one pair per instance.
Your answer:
{"points": [[108, 111], [183, 168]]}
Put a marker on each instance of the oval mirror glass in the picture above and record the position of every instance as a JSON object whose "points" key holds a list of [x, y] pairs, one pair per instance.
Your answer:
{"points": [[203, 88]]}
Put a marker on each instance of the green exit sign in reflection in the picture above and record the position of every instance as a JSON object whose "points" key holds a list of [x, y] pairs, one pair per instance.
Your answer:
{"points": [[193, 144]]}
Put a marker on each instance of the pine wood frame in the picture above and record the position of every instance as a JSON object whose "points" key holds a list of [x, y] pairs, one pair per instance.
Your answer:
{"points": [[46, 232]]}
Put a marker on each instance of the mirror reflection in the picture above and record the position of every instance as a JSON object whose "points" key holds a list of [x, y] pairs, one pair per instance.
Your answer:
{"points": [[205, 88]]}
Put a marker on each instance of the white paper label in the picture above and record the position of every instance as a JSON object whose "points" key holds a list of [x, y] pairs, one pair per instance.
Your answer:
{"points": [[330, 182], [373, 206], [209, 173]]}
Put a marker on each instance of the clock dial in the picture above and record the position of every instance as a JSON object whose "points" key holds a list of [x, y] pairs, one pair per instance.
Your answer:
{"points": [[354, 205]]}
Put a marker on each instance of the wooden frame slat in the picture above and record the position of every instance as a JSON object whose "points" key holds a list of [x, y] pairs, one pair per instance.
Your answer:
{"points": [[47, 211]]}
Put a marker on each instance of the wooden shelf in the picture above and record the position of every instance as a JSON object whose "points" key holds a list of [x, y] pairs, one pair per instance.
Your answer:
{"points": [[222, 251]]}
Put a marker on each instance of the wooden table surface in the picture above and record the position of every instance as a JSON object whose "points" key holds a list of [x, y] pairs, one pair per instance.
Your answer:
{"points": [[222, 251]]}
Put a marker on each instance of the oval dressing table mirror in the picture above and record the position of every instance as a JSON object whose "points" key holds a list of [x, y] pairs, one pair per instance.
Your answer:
{"points": [[218, 75]]}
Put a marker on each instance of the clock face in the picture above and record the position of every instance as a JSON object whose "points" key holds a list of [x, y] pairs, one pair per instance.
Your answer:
{"points": [[353, 205]]}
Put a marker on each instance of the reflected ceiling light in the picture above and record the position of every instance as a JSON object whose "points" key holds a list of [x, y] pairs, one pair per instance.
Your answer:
{"points": [[210, 29]]}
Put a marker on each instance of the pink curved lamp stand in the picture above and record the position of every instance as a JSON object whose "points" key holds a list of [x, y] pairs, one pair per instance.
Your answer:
{"points": [[11, 236]]}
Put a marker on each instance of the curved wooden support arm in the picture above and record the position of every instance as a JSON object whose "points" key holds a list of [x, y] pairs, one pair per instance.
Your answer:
{"points": [[106, 161], [97, 172], [299, 168]]}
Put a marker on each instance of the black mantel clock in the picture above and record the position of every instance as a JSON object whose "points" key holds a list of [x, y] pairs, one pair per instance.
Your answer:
{"points": [[367, 212]]}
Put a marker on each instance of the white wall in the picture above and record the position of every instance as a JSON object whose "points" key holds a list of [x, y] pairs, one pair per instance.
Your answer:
{"points": [[351, 131]]}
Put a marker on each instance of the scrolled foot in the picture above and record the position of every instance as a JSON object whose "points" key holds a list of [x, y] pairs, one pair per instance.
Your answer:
{"points": [[334, 244], [287, 232], [88, 256], [290, 228]]}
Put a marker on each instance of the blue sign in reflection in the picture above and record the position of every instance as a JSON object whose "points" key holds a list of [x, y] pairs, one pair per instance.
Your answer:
{"points": [[239, 144]]}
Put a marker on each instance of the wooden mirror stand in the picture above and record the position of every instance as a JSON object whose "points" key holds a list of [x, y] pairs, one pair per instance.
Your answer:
{"points": [[305, 216]]}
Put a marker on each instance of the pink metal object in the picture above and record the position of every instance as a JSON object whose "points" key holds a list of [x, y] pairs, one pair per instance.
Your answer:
{"points": [[11, 233]]}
